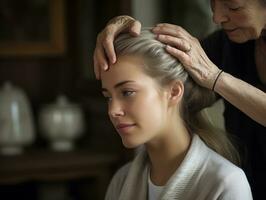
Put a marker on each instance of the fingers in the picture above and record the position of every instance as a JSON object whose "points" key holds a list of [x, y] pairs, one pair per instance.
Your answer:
{"points": [[115, 26], [101, 56], [107, 42], [120, 24], [104, 50], [99, 60], [135, 28], [180, 55], [170, 29], [174, 36], [181, 44], [96, 68], [187, 49], [124, 24]]}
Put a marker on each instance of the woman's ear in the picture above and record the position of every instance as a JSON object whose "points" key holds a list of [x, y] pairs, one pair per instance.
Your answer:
{"points": [[176, 91]]}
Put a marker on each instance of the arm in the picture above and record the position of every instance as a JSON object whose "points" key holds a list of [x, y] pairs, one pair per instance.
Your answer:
{"points": [[188, 50], [245, 97]]}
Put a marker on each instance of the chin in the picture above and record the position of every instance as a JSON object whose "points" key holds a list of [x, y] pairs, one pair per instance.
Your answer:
{"points": [[130, 145], [240, 36], [239, 39]]}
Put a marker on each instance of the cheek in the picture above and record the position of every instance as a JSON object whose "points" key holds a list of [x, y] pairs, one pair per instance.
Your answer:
{"points": [[248, 24], [240, 19], [246, 20], [150, 113]]}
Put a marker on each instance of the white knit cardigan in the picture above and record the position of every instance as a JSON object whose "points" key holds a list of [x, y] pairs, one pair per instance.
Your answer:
{"points": [[203, 175]]}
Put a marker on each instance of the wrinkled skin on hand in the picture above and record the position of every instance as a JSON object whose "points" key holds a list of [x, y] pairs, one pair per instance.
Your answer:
{"points": [[188, 51], [180, 44]]}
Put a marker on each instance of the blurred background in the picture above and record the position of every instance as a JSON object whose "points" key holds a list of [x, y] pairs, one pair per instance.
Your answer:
{"points": [[56, 141]]}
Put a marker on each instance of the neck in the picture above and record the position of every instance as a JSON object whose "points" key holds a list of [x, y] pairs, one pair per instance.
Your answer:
{"points": [[167, 153], [261, 45]]}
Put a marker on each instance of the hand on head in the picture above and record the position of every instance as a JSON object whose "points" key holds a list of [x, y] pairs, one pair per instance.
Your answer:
{"points": [[104, 52], [180, 44], [188, 51]]}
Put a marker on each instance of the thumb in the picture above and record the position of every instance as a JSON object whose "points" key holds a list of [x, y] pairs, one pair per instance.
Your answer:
{"points": [[135, 28]]}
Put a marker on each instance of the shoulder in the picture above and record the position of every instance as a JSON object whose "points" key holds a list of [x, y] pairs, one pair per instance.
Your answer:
{"points": [[126, 175], [214, 45], [117, 182], [213, 39], [230, 181], [235, 186], [225, 53], [121, 173], [222, 167]]}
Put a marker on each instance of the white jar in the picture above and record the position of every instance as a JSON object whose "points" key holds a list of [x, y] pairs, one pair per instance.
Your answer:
{"points": [[16, 122], [61, 123]]}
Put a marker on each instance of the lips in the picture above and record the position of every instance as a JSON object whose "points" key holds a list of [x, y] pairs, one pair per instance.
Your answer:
{"points": [[230, 30], [124, 128], [124, 125]]}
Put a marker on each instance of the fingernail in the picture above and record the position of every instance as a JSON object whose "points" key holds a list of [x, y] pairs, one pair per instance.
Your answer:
{"points": [[105, 67], [168, 47], [159, 36], [113, 60], [135, 33]]}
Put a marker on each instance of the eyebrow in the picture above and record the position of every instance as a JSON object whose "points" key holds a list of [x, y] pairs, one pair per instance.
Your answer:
{"points": [[118, 85]]}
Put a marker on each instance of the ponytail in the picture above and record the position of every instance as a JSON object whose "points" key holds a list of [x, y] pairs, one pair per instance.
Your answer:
{"points": [[195, 99]]}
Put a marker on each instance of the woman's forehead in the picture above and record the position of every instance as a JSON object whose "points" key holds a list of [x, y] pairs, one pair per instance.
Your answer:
{"points": [[126, 68]]}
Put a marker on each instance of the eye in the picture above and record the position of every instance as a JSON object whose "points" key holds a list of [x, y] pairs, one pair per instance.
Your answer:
{"points": [[234, 8], [107, 98], [127, 93]]}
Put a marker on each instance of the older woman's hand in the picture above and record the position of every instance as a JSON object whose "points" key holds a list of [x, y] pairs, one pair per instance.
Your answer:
{"points": [[188, 50], [104, 50]]}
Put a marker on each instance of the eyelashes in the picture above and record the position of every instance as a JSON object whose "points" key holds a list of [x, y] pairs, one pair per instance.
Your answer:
{"points": [[123, 94], [235, 9], [128, 93]]}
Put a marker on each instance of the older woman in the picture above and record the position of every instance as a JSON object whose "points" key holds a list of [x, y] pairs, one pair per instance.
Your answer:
{"points": [[233, 65]]}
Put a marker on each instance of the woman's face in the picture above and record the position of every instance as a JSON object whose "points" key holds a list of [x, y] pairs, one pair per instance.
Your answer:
{"points": [[136, 104], [242, 20]]}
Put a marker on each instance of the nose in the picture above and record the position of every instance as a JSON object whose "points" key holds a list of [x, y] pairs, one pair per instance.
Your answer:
{"points": [[115, 109], [219, 12]]}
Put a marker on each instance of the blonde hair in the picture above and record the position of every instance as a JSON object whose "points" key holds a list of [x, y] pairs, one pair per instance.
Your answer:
{"points": [[164, 68]]}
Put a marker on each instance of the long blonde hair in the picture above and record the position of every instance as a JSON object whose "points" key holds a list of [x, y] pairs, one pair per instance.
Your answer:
{"points": [[164, 68]]}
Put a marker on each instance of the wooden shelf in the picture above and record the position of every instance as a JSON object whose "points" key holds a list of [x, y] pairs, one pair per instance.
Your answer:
{"points": [[53, 166]]}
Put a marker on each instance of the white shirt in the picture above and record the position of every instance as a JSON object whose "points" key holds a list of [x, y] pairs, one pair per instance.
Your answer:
{"points": [[154, 190], [203, 174]]}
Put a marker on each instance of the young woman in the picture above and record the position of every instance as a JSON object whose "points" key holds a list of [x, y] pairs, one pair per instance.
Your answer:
{"points": [[153, 102]]}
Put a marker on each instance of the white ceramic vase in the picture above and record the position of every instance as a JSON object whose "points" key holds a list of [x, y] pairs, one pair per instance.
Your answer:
{"points": [[61, 123], [16, 122]]}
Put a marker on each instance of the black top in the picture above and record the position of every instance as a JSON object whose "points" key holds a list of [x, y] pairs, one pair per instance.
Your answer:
{"points": [[239, 61]]}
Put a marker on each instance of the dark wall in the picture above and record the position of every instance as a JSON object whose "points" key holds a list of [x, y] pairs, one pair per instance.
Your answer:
{"points": [[43, 77]]}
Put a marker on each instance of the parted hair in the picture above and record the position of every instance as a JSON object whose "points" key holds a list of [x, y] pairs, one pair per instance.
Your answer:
{"points": [[164, 69]]}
